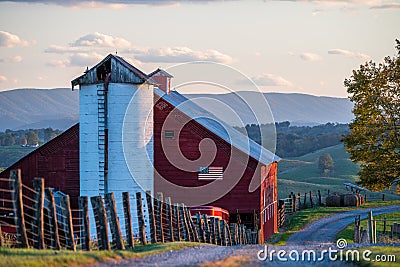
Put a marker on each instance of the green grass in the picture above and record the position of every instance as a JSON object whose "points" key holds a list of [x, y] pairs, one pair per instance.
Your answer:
{"points": [[11, 154], [381, 250], [348, 232], [303, 217], [32, 258]]}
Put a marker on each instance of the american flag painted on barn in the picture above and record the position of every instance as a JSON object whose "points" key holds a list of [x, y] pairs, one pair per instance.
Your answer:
{"points": [[210, 173]]}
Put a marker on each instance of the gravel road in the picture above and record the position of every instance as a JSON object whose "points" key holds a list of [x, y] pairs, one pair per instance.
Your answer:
{"points": [[317, 236]]}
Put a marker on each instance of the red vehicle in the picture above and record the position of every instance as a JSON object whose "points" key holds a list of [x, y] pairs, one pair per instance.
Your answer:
{"points": [[211, 211]]}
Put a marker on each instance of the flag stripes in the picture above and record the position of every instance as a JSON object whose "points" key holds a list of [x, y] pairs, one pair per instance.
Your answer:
{"points": [[210, 173]]}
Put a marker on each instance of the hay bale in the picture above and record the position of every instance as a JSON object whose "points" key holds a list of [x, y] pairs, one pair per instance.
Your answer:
{"points": [[350, 200], [332, 201]]}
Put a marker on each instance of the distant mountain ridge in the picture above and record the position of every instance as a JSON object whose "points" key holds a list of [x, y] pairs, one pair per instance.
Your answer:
{"points": [[59, 108]]}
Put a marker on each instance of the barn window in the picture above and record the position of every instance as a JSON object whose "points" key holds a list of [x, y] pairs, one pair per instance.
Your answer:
{"points": [[169, 134], [210, 173]]}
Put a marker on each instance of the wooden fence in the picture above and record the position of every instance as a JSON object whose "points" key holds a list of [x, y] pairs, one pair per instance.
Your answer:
{"points": [[42, 220]]}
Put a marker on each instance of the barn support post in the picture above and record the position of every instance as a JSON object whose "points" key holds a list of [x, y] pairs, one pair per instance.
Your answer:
{"points": [[159, 207], [177, 234], [168, 208], [100, 216], [184, 222], [16, 194], [38, 186], [116, 233], [68, 226], [192, 226], [222, 231], [149, 200], [212, 230], [200, 227], [206, 229], [128, 219], [84, 210], [53, 224], [142, 228], [311, 201]]}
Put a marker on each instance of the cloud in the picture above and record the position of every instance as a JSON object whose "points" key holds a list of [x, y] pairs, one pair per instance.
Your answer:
{"points": [[77, 60], [307, 56], [347, 53], [268, 79], [180, 54], [57, 49], [14, 59], [10, 40], [3, 78], [386, 6], [101, 40]]}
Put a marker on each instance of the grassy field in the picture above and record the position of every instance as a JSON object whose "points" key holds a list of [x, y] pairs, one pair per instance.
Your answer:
{"points": [[348, 232], [301, 218], [46, 258], [301, 174], [11, 154]]}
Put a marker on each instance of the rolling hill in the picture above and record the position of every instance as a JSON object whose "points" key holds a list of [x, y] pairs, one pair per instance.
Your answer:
{"points": [[58, 108]]}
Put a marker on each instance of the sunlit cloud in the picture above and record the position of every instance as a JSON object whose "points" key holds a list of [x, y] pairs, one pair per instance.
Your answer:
{"points": [[101, 40], [13, 59], [347, 53], [11, 40], [77, 60], [268, 79]]}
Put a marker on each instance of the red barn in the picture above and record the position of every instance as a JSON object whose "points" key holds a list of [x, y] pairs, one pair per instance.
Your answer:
{"points": [[198, 160]]}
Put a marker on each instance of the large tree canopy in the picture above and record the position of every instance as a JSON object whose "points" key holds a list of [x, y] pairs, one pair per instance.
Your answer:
{"points": [[374, 139]]}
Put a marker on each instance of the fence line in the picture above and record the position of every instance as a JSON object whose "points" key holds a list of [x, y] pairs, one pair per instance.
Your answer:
{"points": [[40, 220]]}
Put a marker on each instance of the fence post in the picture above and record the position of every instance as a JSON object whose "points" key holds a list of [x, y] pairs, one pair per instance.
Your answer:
{"points": [[113, 219], [192, 227], [177, 233], [293, 196], [159, 207], [384, 225], [16, 193], [206, 229], [149, 200], [128, 219], [202, 237], [383, 197], [228, 234], [68, 226], [212, 230], [169, 219], [311, 201], [222, 231], [370, 227], [84, 210], [299, 201], [142, 229], [233, 234], [101, 222], [184, 222], [38, 186], [319, 198], [217, 232], [305, 201]]}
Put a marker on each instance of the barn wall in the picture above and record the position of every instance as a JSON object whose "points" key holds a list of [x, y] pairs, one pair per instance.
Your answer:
{"points": [[57, 162], [169, 167], [269, 196]]}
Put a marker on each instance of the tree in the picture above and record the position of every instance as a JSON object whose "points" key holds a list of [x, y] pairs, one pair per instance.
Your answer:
{"points": [[32, 137], [374, 139], [49, 134], [326, 164]]}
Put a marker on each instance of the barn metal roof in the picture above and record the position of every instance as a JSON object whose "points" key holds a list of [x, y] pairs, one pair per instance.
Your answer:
{"points": [[218, 127]]}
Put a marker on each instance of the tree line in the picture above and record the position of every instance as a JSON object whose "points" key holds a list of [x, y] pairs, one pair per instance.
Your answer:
{"points": [[295, 141], [30, 137]]}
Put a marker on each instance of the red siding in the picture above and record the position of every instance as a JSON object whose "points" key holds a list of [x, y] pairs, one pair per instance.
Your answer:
{"points": [[57, 162], [243, 168], [268, 203]]}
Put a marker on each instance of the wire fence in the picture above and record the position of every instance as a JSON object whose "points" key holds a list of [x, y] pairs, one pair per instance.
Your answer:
{"points": [[38, 217]]}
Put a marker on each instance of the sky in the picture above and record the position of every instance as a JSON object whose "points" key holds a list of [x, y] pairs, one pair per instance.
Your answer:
{"points": [[300, 46]]}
